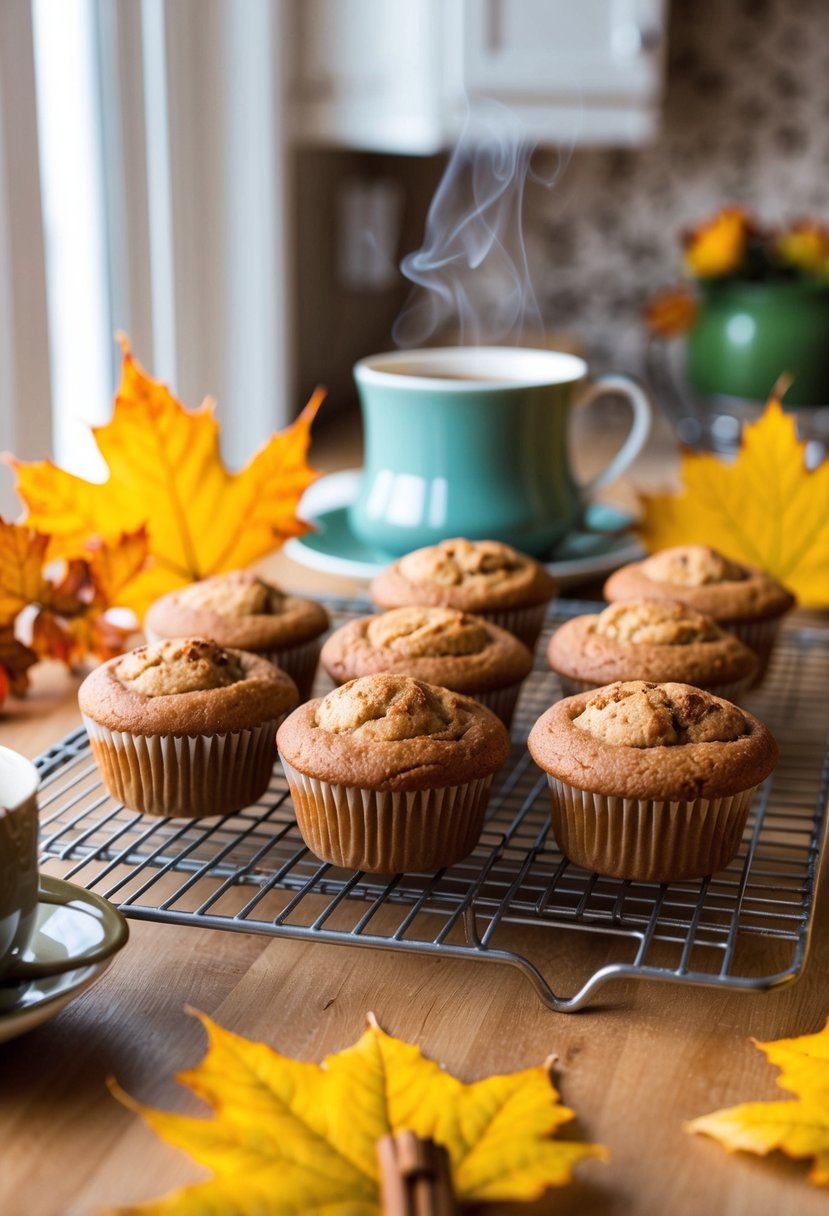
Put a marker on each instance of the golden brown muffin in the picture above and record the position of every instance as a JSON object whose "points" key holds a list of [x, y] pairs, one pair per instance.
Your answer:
{"points": [[650, 640], [185, 727], [748, 602], [651, 782], [439, 645], [485, 577], [388, 773], [241, 610]]}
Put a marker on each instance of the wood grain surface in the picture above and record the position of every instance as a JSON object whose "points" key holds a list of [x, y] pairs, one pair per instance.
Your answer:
{"points": [[633, 1068]]}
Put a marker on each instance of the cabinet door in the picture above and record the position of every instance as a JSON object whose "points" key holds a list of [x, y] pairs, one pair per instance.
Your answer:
{"points": [[594, 63], [394, 75], [369, 74]]}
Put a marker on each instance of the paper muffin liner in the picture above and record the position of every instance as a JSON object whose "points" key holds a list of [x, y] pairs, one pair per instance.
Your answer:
{"points": [[759, 636], [523, 623], [386, 832], [183, 776], [299, 662], [732, 691], [646, 839]]}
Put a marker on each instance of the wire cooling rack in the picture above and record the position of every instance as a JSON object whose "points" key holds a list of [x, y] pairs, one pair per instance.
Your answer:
{"points": [[515, 899]]}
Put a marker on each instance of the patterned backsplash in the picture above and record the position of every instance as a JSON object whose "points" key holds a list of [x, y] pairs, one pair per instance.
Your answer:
{"points": [[745, 119]]}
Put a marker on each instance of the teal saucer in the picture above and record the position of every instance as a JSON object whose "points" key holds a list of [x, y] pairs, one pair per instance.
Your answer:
{"points": [[600, 547]]}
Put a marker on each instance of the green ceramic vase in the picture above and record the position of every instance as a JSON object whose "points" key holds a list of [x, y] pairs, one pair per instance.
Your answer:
{"points": [[747, 334]]}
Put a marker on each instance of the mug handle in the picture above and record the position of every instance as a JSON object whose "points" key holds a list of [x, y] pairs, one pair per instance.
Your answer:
{"points": [[114, 936], [640, 404]]}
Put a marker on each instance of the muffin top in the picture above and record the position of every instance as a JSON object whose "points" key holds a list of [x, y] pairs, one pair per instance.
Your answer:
{"points": [[439, 645], [393, 732], [656, 623], [649, 639], [704, 579], [473, 575], [186, 686], [642, 740], [692, 566], [237, 609], [183, 665]]}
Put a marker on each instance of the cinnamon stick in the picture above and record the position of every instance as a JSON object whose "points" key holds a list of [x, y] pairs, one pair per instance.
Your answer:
{"points": [[415, 1179]]}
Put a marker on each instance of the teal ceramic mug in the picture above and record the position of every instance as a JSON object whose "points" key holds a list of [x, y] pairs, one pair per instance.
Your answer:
{"points": [[472, 441]]}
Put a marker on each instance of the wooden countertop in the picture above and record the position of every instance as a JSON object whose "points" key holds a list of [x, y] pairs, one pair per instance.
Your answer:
{"points": [[633, 1068]]}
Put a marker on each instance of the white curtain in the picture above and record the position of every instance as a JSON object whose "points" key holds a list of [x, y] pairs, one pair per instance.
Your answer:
{"points": [[25, 396], [195, 205]]}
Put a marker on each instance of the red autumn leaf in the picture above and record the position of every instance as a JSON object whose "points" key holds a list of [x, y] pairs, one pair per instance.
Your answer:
{"points": [[51, 639], [15, 661]]}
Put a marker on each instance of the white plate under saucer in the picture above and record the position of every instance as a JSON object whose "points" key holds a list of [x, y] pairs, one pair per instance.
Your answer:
{"points": [[78, 921], [334, 549]]}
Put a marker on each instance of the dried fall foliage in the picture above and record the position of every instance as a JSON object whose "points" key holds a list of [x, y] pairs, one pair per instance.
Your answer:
{"points": [[766, 508], [68, 607], [287, 1136], [799, 1127], [166, 475]]}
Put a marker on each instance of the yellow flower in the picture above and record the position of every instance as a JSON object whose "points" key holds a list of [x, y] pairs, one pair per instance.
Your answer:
{"points": [[718, 246], [805, 245]]}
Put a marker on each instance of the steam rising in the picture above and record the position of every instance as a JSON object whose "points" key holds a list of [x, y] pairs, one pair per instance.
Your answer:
{"points": [[471, 273]]}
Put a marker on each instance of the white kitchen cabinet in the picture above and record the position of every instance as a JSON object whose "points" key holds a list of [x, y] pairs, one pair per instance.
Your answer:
{"points": [[395, 75]]}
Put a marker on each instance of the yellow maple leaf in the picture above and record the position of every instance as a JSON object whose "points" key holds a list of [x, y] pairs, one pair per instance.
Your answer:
{"points": [[798, 1128], [166, 473], [290, 1137], [764, 508]]}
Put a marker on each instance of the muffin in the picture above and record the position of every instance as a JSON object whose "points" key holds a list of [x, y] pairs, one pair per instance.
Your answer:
{"points": [[653, 640], [185, 727], [243, 611], [438, 645], [388, 773], [746, 601], [484, 577], [651, 782]]}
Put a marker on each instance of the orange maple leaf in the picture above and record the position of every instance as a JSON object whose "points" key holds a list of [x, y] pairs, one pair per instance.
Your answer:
{"points": [[671, 312], [765, 508], [22, 553], [166, 473], [799, 1128], [288, 1136]]}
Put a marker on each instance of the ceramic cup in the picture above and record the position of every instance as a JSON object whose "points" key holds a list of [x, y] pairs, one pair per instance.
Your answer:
{"points": [[19, 890], [472, 441]]}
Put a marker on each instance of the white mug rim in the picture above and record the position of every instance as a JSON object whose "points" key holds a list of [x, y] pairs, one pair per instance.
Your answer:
{"points": [[24, 772], [528, 368]]}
